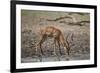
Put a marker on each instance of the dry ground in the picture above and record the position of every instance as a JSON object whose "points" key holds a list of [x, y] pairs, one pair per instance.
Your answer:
{"points": [[33, 21]]}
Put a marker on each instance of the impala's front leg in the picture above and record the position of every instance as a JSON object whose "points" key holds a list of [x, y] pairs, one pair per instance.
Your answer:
{"points": [[42, 39], [54, 52], [58, 42]]}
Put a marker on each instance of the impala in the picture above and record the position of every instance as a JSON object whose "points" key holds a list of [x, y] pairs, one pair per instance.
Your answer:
{"points": [[55, 33]]}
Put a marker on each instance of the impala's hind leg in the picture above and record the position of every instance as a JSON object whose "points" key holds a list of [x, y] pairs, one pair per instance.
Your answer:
{"points": [[58, 42], [67, 49]]}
